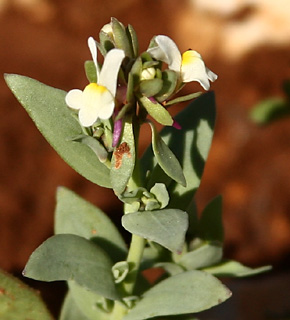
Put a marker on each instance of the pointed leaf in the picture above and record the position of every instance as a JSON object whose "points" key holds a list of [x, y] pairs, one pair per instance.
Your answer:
{"points": [[206, 255], [166, 227], [187, 292], [211, 224], [19, 302], [190, 145], [230, 268], [166, 158], [74, 215], [70, 257], [46, 106], [183, 98], [156, 111]]}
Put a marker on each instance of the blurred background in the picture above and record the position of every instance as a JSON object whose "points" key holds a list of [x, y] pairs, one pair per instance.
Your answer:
{"points": [[247, 43]]}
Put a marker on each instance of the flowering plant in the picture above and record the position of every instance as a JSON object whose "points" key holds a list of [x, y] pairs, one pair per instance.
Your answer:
{"points": [[96, 131]]}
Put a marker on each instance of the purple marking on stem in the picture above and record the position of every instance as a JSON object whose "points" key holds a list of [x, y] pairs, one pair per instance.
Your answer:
{"points": [[117, 132], [152, 99], [176, 125]]}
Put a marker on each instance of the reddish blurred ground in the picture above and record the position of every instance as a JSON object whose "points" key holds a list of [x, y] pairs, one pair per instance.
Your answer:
{"points": [[248, 165]]}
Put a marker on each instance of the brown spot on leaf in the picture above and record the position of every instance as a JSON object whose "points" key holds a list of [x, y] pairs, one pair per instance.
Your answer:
{"points": [[94, 231], [119, 153]]}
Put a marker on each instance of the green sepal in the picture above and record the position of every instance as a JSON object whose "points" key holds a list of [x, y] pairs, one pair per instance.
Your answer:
{"points": [[70, 257], [123, 159], [169, 80], [134, 40], [185, 293], [94, 144], [156, 111], [150, 88], [133, 79], [18, 301], [231, 268], [47, 108], [166, 227], [121, 38], [166, 158], [106, 43], [74, 215], [91, 71], [183, 98]]}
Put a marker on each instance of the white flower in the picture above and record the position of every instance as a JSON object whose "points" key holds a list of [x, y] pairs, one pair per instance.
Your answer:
{"points": [[97, 100], [189, 65]]}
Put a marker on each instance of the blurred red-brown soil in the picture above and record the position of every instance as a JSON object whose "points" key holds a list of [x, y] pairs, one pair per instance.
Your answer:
{"points": [[248, 165]]}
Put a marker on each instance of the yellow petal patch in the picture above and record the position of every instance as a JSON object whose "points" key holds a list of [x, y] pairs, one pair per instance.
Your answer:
{"points": [[94, 88], [189, 57]]}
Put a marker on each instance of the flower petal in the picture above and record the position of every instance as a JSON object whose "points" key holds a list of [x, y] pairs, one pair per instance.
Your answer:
{"points": [[98, 103], [74, 99], [110, 69], [166, 51], [194, 69], [94, 52]]}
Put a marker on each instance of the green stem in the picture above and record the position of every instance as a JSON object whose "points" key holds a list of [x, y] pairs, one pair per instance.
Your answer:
{"points": [[119, 311], [134, 259]]}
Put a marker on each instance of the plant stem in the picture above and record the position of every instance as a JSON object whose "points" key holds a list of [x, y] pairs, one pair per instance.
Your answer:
{"points": [[134, 259], [119, 311]]}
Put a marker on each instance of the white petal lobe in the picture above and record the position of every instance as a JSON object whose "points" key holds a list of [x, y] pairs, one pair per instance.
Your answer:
{"points": [[74, 99], [110, 69]]}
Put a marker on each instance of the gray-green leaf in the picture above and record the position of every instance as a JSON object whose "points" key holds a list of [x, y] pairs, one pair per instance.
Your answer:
{"points": [[206, 255], [190, 146], [187, 292], [46, 106], [123, 159], [230, 268], [70, 257], [75, 215], [166, 227]]}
